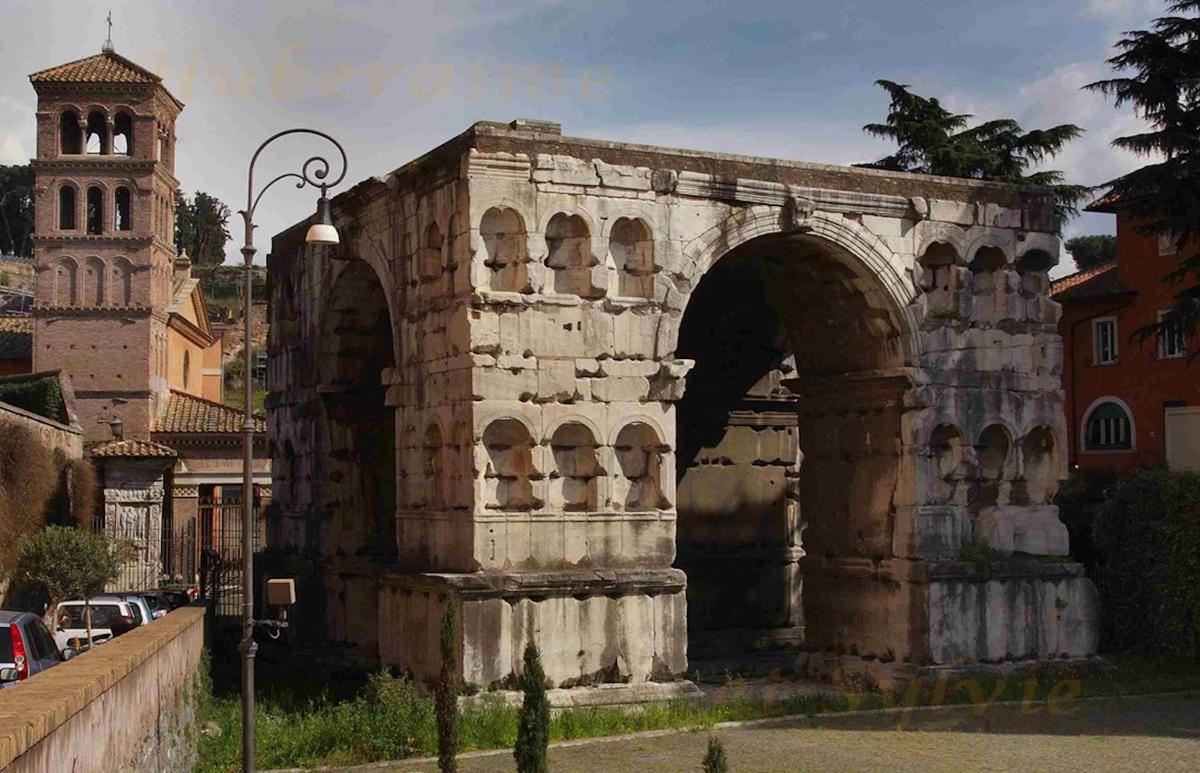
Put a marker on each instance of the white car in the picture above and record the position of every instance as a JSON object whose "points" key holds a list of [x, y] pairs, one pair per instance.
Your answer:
{"points": [[110, 617]]}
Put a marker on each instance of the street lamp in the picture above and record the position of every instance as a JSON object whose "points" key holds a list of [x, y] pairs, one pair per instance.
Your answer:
{"points": [[314, 172]]}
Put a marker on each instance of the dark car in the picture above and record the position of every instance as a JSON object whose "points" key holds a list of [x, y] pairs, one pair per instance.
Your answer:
{"points": [[158, 601], [26, 647]]}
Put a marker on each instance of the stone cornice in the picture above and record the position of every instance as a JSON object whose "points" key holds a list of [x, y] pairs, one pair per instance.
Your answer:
{"points": [[93, 163], [104, 240], [135, 312], [189, 330]]}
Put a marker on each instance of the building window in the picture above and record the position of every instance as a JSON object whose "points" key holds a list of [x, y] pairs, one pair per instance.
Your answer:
{"points": [[69, 133], [96, 140], [187, 368], [1104, 335], [95, 211], [124, 216], [1171, 340], [123, 135], [1108, 428], [1168, 244], [66, 208]]}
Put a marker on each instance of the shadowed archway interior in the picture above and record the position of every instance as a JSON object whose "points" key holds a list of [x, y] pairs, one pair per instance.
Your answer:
{"points": [[787, 452]]}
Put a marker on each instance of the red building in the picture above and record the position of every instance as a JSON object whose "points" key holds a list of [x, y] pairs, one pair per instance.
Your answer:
{"points": [[1129, 403]]}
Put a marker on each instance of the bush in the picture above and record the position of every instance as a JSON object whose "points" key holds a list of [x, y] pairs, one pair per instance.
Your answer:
{"points": [[714, 758], [29, 479], [533, 731], [1079, 501], [1147, 532]]}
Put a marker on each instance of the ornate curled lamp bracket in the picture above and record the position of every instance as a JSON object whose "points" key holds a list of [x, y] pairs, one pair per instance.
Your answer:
{"points": [[315, 172]]}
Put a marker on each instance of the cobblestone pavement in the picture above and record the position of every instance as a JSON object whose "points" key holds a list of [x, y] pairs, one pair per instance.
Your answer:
{"points": [[1132, 734]]}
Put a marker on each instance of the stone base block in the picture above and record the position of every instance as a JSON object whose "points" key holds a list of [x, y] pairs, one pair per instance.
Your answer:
{"points": [[1033, 530], [599, 696], [601, 627]]}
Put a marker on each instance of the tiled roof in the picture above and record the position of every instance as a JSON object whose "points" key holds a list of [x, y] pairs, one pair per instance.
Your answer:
{"points": [[189, 414], [106, 67], [16, 338], [135, 448], [1096, 281]]}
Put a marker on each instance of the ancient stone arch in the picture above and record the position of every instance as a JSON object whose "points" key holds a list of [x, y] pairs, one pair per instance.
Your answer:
{"points": [[766, 406]]}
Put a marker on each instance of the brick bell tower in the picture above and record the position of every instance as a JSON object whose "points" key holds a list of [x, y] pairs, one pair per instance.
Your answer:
{"points": [[104, 236]]}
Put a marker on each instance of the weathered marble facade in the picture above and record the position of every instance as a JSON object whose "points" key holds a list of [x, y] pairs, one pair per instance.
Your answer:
{"points": [[625, 400]]}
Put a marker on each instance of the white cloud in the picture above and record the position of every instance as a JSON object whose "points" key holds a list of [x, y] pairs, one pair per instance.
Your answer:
{"points": [[13, 151], [1114, 10]]}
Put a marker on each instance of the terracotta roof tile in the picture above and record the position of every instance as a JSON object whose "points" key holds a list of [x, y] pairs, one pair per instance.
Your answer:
{"points": [[1093, 281], [135, 448], [188, 414], [107, 67], [16, 337], [23, 324]]}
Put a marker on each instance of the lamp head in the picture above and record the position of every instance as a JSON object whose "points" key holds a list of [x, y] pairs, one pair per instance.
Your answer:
{"points": [[322, 231]]}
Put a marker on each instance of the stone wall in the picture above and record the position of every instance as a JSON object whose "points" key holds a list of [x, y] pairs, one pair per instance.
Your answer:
{"points": [[129, 705], [55, 436]]}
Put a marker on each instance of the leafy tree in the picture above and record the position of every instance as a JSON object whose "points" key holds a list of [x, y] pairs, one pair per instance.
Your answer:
{"points": [[533, 730], [714, 757], [932, 140], [1158, 75], [201, 227], [1092, 250], [68, 563], [446, 697], [16, 209]]}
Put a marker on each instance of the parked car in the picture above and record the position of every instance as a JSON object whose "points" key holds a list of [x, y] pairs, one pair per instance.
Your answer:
{"points": [[180, 598], [26, 647], [159, 604], [110, 617], [136, 601]]}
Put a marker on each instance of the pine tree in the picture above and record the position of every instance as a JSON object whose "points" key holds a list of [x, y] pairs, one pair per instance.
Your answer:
{"points": [[714, 758], [933, 140], [446, 697], [533, 731], [1158, 75]]}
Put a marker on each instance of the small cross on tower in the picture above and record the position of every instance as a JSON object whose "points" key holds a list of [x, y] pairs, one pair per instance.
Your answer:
{"points": [[108, 44]]}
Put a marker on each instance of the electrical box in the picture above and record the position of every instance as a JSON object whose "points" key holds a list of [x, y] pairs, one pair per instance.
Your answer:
{"points": [[281, 593]]}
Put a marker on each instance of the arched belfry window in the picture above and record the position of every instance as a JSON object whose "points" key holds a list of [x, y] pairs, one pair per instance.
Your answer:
{"points": [[70, 140], [123, 211], [1108, 428], [97, 133], [123, 135], [95, 210], [66, 208]]}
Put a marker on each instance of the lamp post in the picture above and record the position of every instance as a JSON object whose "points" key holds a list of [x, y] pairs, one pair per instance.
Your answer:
{"points": [[314, 172]]}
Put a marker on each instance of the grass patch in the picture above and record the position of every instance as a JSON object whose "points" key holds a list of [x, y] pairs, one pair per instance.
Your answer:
{"points": [[392, 718]]}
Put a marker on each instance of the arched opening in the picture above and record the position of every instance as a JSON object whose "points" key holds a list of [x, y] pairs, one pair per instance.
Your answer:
{"points": [[70, 137], [96, 133], [569, 255], [66, 208], [789, 445], [992, 474], [990, 286], [357, 477], [1039, 467], [1108, 427], [122, 282], [508, 477], [124, 215], [503, 234], [187, 368], [95, 210], [574, 481], [638, 483], [632, 248], [93, 282], [950, 469], [123, 135], [65, 289], [429, 261], [433, 467]]}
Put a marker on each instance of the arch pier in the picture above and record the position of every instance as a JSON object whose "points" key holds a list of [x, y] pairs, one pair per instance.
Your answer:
{"points": [[641, 405]]}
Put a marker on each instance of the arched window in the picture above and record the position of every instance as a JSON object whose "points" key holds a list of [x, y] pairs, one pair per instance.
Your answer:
{"points": [[632, 248], [123, 135], [949, 468], [97, 133], [64, 283], [69, 138], [430, 261], [991, 476], [569, 254], [576, 469], [1108, 428], [503, 234], [187, 368], [93, 282], [123, 211], [66, 208], [639, 454], [95, 210], [122, 282], [509, 473]]}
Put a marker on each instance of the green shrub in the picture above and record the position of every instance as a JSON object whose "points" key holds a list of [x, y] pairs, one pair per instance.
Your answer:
{"points": [[42, 396], [68, 563], [714, 758], [1078, 502], [1147, 531], [533, 733]]}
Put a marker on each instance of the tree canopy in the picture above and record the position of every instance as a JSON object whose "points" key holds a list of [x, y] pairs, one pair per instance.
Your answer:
{"points": [[201, 227], [1092, 250], [68, 562], [16, 209], [1157, 73], [932, 140]]}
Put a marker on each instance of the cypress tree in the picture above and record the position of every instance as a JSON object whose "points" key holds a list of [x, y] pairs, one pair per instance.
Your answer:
{"points": [[533, 732], [446, 697], [714, 758]]}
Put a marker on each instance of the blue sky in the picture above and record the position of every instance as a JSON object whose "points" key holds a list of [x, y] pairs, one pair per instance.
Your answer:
{"points": [[786, 79]]}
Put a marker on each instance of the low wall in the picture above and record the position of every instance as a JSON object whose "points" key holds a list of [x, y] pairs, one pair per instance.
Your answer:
{"points": [[127, 705]]}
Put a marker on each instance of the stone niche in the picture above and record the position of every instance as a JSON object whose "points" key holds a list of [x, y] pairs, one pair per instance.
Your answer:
{"points": [[640, 405]]}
